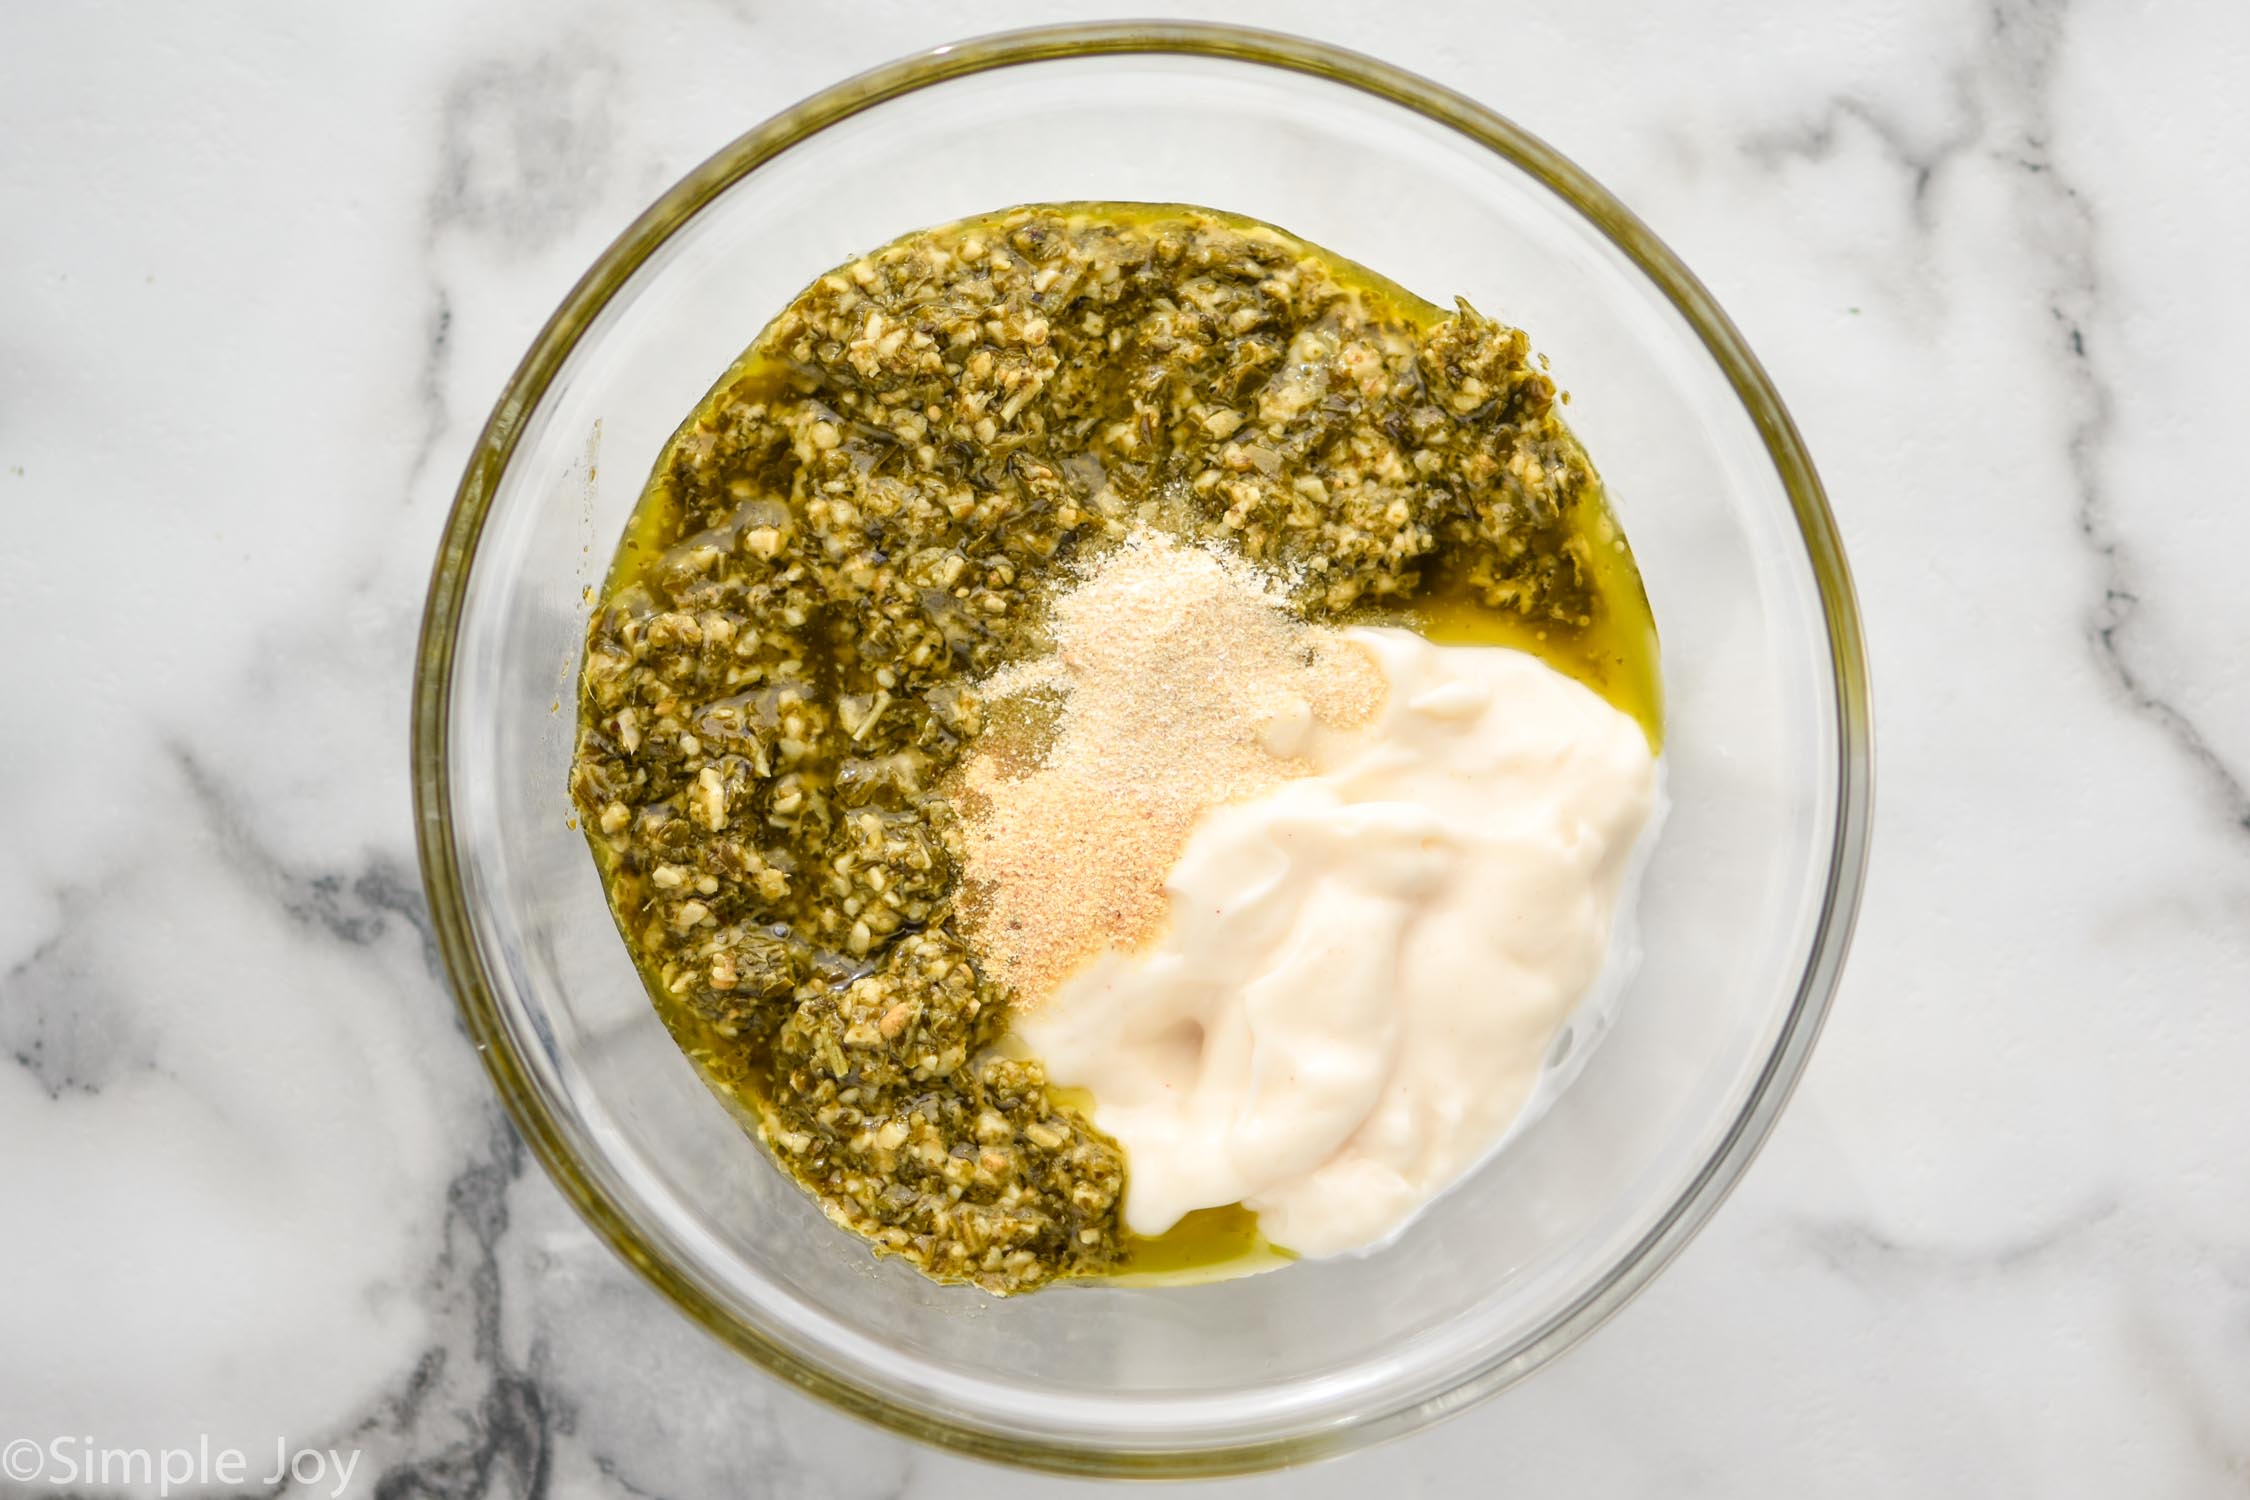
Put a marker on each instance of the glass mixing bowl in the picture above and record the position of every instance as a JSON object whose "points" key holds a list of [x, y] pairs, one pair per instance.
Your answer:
{"points": [[1744, 911]]}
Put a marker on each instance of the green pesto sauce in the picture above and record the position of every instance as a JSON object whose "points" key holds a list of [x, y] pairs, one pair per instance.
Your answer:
{"points": [[740, 520]]}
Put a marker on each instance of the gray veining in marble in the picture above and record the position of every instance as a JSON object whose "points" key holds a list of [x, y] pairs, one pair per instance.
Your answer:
{"points": [[262, 270]]}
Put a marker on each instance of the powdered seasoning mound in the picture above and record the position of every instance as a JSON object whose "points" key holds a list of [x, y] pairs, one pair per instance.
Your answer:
{"points": [[1178, 680]]}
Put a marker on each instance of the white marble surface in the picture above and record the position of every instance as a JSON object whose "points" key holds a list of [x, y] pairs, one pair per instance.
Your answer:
{"points": [[263, 268]]}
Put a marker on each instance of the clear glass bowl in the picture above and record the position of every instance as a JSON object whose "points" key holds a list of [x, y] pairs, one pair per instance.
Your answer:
{"points": [[1744, 913]]}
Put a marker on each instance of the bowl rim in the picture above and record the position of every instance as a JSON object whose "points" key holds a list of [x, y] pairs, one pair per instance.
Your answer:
{"points": [[495, 446]]}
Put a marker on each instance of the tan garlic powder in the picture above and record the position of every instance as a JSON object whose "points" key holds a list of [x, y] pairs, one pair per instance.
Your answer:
{"points": [[1179, 679]]}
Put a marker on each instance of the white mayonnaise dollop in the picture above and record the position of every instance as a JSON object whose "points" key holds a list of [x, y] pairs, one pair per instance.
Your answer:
{"points": [[1364, 967]]}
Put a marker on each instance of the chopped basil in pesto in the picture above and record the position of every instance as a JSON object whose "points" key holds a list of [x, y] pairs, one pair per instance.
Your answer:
{"points": [[865, 517]]}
